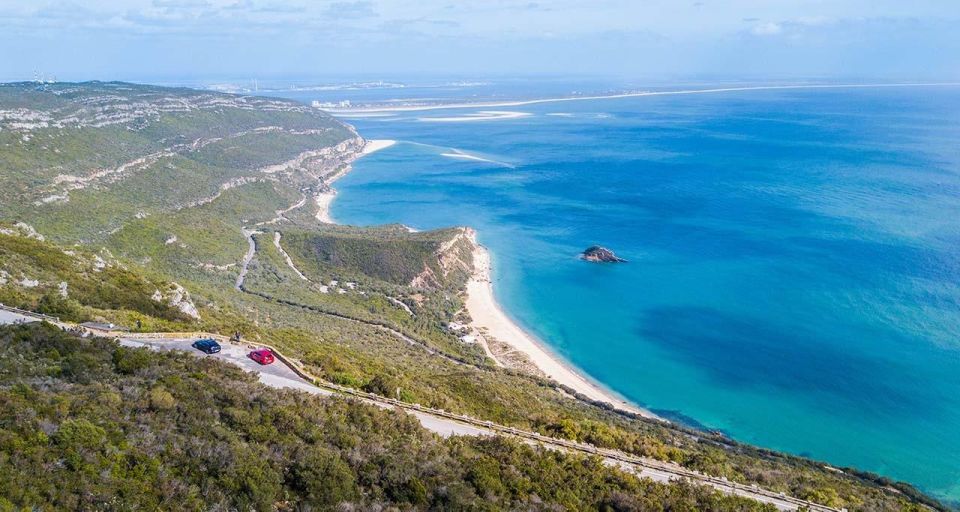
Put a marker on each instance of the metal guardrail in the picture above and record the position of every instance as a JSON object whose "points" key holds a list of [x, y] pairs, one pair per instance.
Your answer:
{"points": [[29, 313], [644, 463]]}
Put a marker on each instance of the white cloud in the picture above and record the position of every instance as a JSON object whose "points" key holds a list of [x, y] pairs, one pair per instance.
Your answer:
{"points": [[814, 21], [610, 36], [767, 29], [351, 10]]}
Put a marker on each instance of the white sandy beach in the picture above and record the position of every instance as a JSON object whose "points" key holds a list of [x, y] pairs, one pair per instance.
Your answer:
{"points": [[324, 199], [487, 314], [376, 145]]}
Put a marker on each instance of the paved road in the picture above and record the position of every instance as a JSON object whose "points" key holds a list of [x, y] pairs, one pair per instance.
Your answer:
{"points": [[279, 375], [9, 317], [234, 354]]}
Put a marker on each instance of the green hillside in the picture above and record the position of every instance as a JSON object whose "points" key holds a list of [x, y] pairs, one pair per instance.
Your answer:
{"points": [[98, 426], [133, 204], [389, 254], [82, 160]]}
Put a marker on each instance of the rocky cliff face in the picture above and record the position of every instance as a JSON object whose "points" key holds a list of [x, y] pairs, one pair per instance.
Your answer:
{"points": [[599, 254], [454, 262]]}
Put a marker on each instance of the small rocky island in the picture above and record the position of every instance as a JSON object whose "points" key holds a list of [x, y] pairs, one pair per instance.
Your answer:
{"points": [[600, 255]]}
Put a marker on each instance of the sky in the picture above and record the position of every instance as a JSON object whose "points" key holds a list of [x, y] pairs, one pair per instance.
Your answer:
{"points": [[645, 39]]}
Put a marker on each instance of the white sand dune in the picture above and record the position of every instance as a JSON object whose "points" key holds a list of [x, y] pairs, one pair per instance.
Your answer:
{"points": [[365, 115], [519, 103], [482, 115]]}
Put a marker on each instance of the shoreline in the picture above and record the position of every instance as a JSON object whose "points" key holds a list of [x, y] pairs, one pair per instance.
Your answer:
{"points": [[324, 199], [487, 315], [520, 103]]}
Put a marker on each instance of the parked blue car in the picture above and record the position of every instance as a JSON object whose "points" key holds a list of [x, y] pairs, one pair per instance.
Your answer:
{"points": [[207, 346]]}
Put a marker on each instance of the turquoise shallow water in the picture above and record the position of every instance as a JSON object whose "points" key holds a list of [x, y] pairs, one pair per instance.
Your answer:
{"points": [[794, 274]]}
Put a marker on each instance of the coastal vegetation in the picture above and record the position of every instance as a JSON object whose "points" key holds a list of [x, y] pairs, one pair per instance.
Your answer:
{"points": [[87, 424], [389, 253], [75, 285], [157, 244]]}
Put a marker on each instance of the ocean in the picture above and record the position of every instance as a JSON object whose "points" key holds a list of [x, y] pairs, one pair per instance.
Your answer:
{"points": [[794, 255]]}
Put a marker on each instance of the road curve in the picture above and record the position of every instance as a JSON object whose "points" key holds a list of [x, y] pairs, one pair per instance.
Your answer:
{"points": [[247, 258], [279, 375]]}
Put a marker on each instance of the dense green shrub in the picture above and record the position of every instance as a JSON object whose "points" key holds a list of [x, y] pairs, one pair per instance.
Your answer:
{"points": [[147, 431]]}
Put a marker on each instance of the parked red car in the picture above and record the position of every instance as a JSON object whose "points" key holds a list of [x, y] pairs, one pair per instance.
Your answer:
{"points": [[262, 356]]}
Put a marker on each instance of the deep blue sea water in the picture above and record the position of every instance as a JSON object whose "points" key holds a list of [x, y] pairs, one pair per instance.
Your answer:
{"points": [[794, 273]]}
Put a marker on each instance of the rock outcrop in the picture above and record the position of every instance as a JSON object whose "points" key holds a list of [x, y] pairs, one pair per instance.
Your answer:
{"points": [[178, 297], [452, 255], [600, 255]]}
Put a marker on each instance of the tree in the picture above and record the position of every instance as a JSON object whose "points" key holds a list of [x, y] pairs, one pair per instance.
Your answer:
{"points": [[322, 478], [80, 441], [382, 385]]}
